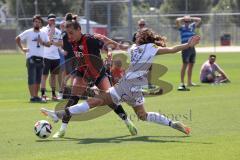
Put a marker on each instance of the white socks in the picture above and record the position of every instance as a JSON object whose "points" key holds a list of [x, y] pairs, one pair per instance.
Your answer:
{"points": [[63, 127], [158, 118], [79, 108]]}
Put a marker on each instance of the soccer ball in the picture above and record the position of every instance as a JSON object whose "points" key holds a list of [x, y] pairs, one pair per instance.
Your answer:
{"points": [[42, 129]]}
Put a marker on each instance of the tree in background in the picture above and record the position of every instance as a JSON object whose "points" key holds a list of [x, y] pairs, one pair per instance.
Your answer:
{"points": [[236, 8], [179, 6], [228, 6], [44, 7]]}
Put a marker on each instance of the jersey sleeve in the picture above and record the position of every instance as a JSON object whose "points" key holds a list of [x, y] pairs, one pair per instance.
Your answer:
{"points": [[97, 43], [153, 49]]}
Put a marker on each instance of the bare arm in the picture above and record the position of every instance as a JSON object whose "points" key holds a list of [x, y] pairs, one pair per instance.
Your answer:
{"points": [[111, 43], [166, 50], [18, 42], [220, 70], [46, 44], [58, 44], [179, 21], [197, 20]]}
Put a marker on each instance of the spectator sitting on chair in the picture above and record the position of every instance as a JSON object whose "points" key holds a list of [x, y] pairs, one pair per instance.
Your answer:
{"points": [[211, 73]]}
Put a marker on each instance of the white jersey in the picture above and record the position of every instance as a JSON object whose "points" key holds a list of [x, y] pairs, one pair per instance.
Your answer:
{"points": [[30, 36], [141, 60], [129, 88], [52, 51]]}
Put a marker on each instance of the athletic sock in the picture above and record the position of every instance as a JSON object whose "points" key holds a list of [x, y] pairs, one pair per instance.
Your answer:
{"points": [[72, 101], [43, 90], [63, 127], [79, 108], [158, 118], [53, 91], [120, 112]]}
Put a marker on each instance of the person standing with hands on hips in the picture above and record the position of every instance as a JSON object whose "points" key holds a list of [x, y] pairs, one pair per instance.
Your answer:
{"points": [[35, 42]]}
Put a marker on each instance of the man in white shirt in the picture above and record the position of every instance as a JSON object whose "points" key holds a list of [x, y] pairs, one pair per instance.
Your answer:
{"points": [[35, 42], [51, 56], [211, 72]]}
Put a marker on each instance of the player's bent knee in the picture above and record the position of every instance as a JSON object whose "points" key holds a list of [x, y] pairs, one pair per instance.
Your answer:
{"points": [[95, 102], [142, 116]]}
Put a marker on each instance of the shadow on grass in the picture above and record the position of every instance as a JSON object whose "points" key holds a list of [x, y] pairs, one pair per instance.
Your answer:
{"points": [[127, 138]]}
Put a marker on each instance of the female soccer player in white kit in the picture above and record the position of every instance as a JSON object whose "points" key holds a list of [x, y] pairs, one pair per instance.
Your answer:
{"points": [[129, 88]]}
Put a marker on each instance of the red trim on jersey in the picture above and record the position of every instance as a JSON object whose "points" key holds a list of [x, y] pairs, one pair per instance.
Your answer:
{"points": [[87, 68]]}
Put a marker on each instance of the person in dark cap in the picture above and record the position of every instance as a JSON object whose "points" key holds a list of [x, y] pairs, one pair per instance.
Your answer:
{"points": [[51, 56], [51, 16]]}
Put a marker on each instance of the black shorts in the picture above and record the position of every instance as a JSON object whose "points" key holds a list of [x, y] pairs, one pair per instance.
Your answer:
{"points": [[69, 66], [34, 67], [97, 81], [189, 55], [51, 64]]}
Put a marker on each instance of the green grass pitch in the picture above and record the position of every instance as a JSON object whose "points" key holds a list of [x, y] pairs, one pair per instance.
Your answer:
{"points": [[212, 111]]}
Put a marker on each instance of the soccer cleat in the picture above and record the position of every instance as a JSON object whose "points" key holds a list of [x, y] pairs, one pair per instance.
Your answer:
{"points": [[181, 127], [131, 127], [50, 114], [59, 134]]}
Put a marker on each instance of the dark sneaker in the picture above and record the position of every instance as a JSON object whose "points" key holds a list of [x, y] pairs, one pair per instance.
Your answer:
{"points": [[33, 100], [37, 100]]}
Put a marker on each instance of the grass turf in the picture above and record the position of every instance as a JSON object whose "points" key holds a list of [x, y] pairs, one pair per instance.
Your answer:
{"points": [[211, 111]]}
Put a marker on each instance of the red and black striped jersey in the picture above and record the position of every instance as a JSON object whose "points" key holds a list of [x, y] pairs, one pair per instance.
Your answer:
{"points": [[87, 53]]}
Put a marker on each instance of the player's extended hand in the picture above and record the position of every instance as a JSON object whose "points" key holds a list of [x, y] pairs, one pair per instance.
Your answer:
{"points": [[194, 40], [109, 55]]}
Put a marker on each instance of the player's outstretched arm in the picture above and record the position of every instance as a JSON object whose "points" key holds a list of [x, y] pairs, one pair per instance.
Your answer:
{"points": [[166, 50], [111, 43]]}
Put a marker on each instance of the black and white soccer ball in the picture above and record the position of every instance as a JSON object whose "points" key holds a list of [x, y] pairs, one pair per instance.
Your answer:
{"points": [[42, 129]]}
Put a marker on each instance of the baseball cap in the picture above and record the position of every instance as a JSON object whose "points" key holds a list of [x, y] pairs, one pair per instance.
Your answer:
{"points": [[51, 16]]}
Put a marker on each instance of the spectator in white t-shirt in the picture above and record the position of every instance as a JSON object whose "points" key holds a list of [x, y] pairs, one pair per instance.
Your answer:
{"points": [[35, 41], [51, 57], [211, 72]]}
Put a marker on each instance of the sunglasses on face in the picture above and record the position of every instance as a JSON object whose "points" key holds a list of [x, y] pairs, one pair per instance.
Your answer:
{"points": [[141, 24]]}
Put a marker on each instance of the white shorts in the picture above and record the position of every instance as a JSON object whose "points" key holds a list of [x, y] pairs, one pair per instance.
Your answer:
{"points": [[127, 91]]}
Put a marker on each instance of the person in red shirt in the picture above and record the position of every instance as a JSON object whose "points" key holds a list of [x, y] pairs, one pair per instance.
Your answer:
{"points": [[117, 71]]}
